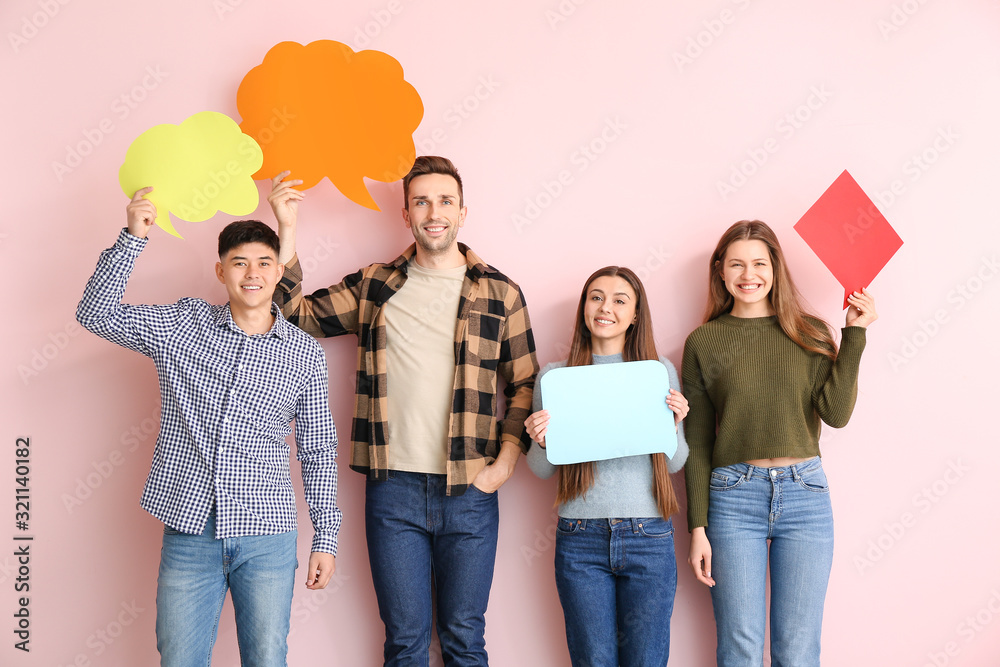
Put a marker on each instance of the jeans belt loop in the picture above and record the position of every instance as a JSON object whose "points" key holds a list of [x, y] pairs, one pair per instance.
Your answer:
{"points": [[749, 471], [635, 525]]}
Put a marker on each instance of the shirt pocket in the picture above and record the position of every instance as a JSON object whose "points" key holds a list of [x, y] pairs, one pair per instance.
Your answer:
{"points": [[484, 334]]}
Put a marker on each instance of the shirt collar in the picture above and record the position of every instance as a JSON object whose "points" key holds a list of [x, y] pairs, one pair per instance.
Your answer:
{"points": [[476, 267], [279, 329]]}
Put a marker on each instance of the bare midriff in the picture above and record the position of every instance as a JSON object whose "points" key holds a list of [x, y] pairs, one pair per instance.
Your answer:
{"points": [[778, 462]]}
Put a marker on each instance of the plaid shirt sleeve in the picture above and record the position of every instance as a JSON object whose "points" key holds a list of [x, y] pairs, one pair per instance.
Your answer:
{"points": [[316, 450], [332, 311], [518, 367]]}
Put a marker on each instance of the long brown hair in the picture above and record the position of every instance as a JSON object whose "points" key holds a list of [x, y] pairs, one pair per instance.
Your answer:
{"points": [[784, 297], [576, 478]]}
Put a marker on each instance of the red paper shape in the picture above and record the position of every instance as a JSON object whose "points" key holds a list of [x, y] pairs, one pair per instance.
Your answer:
{"points": [[849, 234]]}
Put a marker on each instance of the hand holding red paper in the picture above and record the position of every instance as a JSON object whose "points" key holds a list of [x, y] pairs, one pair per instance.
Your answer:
{"points": [[862, 310], [849, 234]]}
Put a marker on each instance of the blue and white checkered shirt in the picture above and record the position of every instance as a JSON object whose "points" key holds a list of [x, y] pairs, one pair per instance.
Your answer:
{"points": [[228, 400]]}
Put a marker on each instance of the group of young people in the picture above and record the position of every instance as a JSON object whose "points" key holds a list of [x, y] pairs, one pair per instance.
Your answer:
{"points": [[437, 329]]}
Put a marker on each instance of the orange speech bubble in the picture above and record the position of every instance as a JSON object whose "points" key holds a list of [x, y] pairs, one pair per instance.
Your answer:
{"points": [[324, 110]]}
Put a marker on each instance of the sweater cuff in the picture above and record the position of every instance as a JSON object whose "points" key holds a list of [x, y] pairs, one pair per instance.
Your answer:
{"points": [[852, 343]]}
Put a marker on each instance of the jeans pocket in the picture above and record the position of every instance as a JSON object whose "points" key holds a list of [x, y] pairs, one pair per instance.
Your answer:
{"points": [[814, 480], [656, 527], [567, 526], [476, 489], [723, 479]]}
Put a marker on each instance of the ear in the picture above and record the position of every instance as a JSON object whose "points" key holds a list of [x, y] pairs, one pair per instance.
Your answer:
{"points": [[281, 271], [406, 217], [461, 216], [218, 273]]}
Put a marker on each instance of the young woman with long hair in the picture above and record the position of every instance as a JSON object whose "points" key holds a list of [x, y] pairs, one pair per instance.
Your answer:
{"points": [[615, 567], [760, 375]]}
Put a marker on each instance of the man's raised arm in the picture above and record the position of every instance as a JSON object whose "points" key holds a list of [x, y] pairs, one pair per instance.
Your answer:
{"points": [[100, 310], [327, 312]]}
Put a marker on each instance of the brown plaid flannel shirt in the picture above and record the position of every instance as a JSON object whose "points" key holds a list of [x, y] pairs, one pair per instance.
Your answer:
{"points": [[492, 335]]}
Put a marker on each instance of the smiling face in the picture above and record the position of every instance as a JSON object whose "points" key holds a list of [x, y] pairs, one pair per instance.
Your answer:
{"points": [[608, 312], [434, 213], [748, 273], [250, 273]]}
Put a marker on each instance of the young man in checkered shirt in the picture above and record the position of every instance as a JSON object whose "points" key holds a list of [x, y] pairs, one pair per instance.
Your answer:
{"points": [[232, 378], [437, 327]]}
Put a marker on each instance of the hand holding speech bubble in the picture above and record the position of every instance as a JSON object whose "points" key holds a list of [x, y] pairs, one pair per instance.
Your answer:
{"points": [[197, 168], [322, 110], [849, 234], [579, 399]]}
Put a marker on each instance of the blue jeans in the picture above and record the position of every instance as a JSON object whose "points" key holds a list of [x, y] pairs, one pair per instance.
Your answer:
{"points": [[616, 580], [195, 573], [415, 533], [790, 507]]}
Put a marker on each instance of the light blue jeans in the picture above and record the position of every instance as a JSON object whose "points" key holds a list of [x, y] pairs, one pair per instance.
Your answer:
{"points": [[616, 580], [790, 508], [195, 573]]}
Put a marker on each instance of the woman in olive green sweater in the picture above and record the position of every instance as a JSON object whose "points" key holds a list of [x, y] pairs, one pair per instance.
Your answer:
{"points": [[760, 375]]}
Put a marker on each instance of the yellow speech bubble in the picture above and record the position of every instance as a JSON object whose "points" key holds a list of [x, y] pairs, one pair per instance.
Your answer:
{"points": [[202, 166], [322, 110]]}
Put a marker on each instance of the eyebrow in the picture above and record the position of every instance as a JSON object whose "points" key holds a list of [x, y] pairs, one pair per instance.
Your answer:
{"points": [[426, 198], [624, 294], [235, 257], [756, 259]]}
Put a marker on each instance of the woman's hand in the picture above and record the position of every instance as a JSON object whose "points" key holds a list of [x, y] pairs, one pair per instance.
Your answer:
{"points": [[861, 311], [679, 405], [537, 424], [700, 557]]}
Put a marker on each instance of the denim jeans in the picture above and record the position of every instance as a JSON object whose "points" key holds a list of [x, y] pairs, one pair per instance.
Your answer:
{"points": [[790, 507], [616, 580], [195, 573], [415, 533]]}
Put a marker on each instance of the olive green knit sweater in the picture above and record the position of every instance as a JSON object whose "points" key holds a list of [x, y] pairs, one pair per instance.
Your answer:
{"points": [[755, 394]]}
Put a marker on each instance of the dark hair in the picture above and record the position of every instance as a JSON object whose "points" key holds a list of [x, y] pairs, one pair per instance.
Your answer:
{"points": [[784, 296], [576, 478], [431, 164], [242, 232]]}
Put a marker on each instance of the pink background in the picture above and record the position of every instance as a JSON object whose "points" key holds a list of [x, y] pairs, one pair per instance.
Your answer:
{"points": [[512, 94]]}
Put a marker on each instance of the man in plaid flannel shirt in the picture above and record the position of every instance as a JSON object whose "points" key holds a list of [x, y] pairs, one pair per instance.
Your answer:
{"points": [[232, 378], [435, 327]]}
